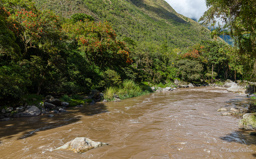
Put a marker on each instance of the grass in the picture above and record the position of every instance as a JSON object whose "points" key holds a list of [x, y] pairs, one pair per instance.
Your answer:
{"points": [[74, 100], [128, 89], [168, 84], [219, 83]]}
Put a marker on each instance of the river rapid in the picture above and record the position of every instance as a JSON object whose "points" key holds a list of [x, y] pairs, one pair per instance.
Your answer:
{"points": [[179, 124]]}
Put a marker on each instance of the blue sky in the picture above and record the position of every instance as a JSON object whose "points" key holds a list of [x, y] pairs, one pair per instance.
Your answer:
{"points": [[189, 8]]}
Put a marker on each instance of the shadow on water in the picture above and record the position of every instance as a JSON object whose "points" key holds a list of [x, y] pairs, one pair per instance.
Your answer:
{"points": [[242, 137], [29, 126]]}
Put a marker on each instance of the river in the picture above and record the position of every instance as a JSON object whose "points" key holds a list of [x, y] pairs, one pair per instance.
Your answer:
{"points": [[179, 124]]}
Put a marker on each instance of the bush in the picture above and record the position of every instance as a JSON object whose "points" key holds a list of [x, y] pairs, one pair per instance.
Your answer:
{"points": [[81, 17], [74, 100], [32, 99], [128, 89], [109, 93], [112, 78], [65, 98]]}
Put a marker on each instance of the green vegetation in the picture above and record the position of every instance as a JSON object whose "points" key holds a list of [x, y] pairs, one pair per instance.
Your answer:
{"points": [[74, 100], [236, 15], [128, 89], [117, 47], [148, 23]]}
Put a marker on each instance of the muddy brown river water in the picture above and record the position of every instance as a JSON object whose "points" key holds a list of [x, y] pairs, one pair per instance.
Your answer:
{"points": [[179, 124]]}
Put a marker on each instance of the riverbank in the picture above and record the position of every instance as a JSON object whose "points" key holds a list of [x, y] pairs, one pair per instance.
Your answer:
{"points": [[158, 125], [38, 105]]}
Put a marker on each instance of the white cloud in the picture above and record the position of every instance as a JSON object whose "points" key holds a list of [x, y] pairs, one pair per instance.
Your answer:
{"points": [[189, 8]]}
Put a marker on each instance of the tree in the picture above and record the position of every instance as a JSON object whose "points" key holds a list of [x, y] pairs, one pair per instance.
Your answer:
{"points": [[213, 54], [237, 16], [9, 49], [98, 43]]}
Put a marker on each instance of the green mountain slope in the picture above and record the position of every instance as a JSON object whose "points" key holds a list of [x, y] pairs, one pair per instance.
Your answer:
{"points": [[150, 23]]}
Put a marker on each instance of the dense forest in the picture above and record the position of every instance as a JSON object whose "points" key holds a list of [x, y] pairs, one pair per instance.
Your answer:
{"points": [[118, 47]]}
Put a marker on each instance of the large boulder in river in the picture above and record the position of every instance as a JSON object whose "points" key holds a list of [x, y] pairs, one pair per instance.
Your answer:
{"points": [[167, 89], [251, 88], [237, 89], [96, 95], [80, 145], [191, 85], [52, 100], [248, 122], [49, 105], [229, 83], [32, 111]]}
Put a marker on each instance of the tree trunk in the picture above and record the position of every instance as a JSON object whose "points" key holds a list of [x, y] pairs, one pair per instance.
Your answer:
{"points": [[39, 87], [212, 74], [226, 73], [235, 76]]}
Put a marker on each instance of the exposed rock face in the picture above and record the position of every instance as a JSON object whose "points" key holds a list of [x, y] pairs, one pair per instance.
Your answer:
{"points": [[248, 122], [80, 145], [32, 111]]}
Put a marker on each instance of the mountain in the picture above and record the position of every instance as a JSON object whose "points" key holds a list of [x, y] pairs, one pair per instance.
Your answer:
{"points": [[149, 23]]}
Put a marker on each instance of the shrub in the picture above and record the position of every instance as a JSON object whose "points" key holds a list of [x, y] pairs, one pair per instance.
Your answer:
{"points": [[81, 17]]}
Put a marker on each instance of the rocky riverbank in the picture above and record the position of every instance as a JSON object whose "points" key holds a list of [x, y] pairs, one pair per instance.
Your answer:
{"points": [[243, 108], [51, 105]]}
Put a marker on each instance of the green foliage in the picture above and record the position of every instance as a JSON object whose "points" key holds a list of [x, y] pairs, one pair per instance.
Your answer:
{"points": [[81, 17], [111, 78], [141, 21], [65, 98], [219, 83], [74, 100], [128, 89], [42, 53], [237, 17], [13, 83], [190, 70], [32, 99], [98, 43]]}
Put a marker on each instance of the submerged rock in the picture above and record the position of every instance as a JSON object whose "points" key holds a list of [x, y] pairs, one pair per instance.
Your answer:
{"points": [[80, 145], [248, 122]]}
